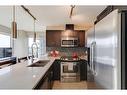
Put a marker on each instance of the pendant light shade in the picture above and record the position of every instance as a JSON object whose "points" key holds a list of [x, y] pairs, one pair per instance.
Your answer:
{"points": [[14, 25], [14, 29]]}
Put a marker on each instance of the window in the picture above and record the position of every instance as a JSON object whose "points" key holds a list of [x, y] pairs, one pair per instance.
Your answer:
{"points": [[31, 42], [4, 40]]}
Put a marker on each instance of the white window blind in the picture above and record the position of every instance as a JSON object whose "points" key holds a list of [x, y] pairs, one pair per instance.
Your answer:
{"points": [[4, 40]]}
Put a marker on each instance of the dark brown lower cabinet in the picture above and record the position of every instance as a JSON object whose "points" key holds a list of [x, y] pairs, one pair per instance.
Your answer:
{"points": [[52, 74], [47, 80], [56, 70], [45, 84], [83, 70]]}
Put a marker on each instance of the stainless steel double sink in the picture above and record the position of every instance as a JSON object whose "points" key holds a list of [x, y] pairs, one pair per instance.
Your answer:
{"points": [[40, 63]]}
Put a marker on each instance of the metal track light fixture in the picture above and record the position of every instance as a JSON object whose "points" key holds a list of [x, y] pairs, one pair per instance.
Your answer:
{"points": [[72, 9], [28, 11], [14, 25], [34, 46]]}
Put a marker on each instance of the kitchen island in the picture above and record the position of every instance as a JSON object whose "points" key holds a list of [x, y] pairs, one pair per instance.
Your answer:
{"points": [[20, 76]]}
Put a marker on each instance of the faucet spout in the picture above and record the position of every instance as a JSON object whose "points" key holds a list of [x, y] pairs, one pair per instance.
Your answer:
{"points": [[34, 48]]}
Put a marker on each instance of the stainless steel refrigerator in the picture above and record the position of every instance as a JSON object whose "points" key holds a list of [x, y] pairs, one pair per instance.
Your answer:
{"points": [[106, 46]]}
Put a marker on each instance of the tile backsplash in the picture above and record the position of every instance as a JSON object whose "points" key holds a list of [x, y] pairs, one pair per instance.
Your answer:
{"points": [[68, 51]]}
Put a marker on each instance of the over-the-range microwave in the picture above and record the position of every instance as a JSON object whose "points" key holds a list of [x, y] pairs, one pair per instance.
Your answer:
{"points": [[69, 42]]}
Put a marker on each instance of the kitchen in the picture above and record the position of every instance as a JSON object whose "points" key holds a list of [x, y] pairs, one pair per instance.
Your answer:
{"points": [[81, 48]]}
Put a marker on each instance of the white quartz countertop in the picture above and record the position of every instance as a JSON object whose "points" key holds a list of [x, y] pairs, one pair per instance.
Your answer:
{"points": [[19, 76]]}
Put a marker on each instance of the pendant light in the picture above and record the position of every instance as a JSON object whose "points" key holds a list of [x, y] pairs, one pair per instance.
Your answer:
{"points": [[14, 25], [34, 46]]}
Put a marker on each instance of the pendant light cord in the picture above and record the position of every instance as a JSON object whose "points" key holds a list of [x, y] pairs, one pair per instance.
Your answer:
{"points": [[28, 11], [14, 13], [34, 32]]}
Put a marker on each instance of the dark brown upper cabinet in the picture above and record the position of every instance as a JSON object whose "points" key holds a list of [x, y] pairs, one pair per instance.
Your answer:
{"points": [[81, 36], [53, 37]]}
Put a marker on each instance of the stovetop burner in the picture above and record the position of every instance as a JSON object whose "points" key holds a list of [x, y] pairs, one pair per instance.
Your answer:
{"points": [[69, 58]]}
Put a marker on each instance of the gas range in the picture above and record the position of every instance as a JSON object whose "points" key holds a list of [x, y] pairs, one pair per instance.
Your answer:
{"points": [[70, 69], [69, 58]]}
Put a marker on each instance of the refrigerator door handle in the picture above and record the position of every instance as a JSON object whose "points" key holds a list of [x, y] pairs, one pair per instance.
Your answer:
{"points": [[91, 58], [92, 63]]}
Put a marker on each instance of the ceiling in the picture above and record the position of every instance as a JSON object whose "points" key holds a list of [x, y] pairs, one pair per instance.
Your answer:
{"points": [[49, 16], [23, 19]]}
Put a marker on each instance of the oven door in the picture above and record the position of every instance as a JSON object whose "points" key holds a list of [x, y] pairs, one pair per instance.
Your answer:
{"points": [[70, 74]]}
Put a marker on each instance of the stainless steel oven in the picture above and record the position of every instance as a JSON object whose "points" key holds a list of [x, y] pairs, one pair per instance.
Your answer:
{"points": [[70, 71], [69, 41]]}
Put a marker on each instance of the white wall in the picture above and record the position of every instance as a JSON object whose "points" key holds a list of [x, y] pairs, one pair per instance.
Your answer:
{"points": [[21, 44]]}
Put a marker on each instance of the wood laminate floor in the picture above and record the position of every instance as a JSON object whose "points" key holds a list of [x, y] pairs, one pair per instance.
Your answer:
{"points": [[73, 85]]}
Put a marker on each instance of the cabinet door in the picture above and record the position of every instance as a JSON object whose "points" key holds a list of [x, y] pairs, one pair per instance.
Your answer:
{"points": [[50, 78], [83, 70], [81, 35], [45, 84], [56, 70], [47, 80], [53, 38]]}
